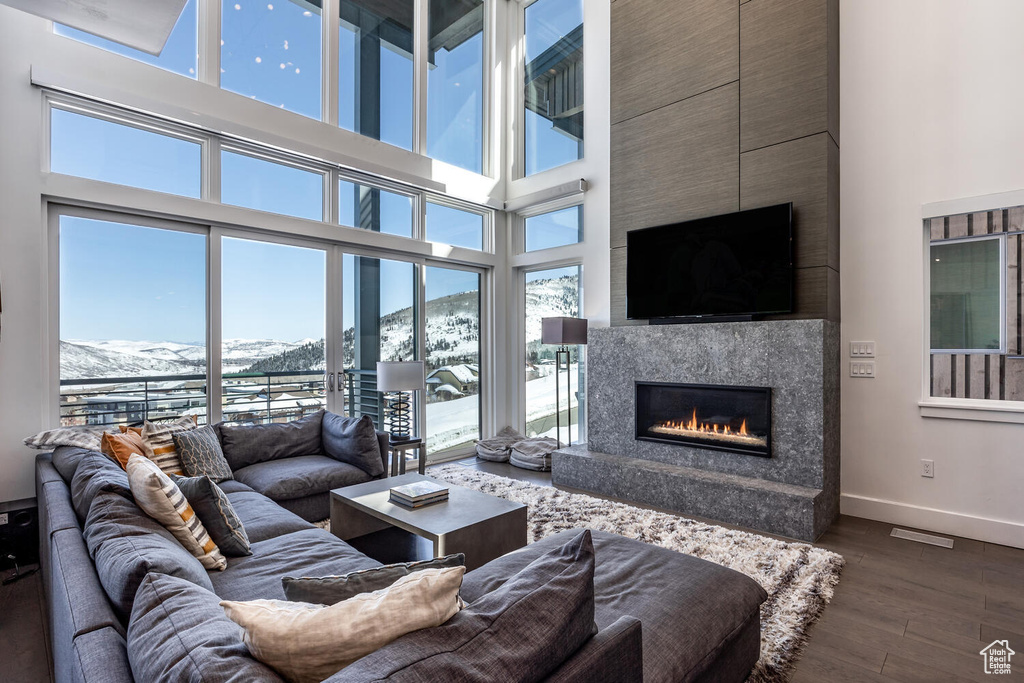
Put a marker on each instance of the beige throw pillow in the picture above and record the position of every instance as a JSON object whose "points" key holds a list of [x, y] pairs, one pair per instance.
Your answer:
{"points": [[308, 643], [158, 442], [162, 500]]}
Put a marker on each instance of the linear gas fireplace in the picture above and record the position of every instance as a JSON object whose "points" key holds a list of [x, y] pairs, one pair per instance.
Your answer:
{"points": [[724, 418]]}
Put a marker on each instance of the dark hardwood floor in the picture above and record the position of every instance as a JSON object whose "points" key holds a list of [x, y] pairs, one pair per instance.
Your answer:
{"points": [[903, 611]]}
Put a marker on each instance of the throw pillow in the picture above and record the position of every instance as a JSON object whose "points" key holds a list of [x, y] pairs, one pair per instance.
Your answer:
{"points": [[121, 446], [158, 442], [200, 454], [83, 437], [163, 501], [328, 590], [521, 631], [95, 474], [177, 632], [353, 440], [217, 514], [311, 642]]}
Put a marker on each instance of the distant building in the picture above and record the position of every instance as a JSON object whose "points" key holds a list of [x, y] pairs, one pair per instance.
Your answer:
{"points": [[452, 381]]}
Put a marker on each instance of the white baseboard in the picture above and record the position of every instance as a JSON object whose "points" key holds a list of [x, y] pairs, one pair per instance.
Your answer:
{"points": [[930, 519]]}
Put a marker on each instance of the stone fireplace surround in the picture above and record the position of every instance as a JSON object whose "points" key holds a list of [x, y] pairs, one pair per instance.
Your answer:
{"points": [[794, 493]]}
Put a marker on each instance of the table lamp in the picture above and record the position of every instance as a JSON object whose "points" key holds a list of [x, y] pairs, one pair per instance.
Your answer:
{"points": [[565, 332], [398, 378]]}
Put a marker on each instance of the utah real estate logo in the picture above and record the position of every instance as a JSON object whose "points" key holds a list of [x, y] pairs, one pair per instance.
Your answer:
{"points": [[997, 657]]}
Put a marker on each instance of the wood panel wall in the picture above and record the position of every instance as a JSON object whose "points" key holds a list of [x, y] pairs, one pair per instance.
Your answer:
{"points": [[722, 105], [987, 375]]}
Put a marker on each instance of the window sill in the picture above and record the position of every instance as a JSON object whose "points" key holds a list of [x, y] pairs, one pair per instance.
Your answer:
{"points": [[981, 410]]}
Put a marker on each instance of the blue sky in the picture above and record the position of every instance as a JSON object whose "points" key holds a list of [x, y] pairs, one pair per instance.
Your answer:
{"points": [[153, 281]]}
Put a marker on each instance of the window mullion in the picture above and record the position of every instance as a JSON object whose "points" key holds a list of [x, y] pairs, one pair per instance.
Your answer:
{"points": [[214, 375], [329, 55], [208, 42], [420, 73]]}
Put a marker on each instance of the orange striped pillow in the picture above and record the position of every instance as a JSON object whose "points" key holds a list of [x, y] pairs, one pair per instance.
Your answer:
{"points": [[121, 446], [163, 501], [158, 442]]}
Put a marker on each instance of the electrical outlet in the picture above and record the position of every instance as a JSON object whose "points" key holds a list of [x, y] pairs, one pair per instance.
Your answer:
{"points": [[862, 369], [928, 468], [3, 518], [862, 349]]}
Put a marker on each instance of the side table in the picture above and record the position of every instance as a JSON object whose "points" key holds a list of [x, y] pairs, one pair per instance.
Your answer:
{"points": [[398, 450]]}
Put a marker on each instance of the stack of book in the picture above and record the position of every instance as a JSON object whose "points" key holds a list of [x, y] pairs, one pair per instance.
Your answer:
{"points": [[418, 494]]}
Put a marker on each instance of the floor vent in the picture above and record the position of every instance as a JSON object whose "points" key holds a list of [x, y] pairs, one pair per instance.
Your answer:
{"points": [[922, 538]]}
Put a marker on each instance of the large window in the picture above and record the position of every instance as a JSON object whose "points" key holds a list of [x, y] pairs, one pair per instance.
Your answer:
{"points": [[455, 97], [453, 358], [179, 54], [102, 150], [371, 208], [375, 75], [273, 329], [554, 229], [268, 186], [457, 227], [132, 322], [553, 84], [552, 293], [271, 52], [967, 295]]}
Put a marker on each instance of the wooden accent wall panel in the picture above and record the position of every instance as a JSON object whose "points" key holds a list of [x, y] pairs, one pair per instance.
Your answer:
{"points": [[663, 52], [618, 283], [805, 172], [784, 69], [676, 163]]}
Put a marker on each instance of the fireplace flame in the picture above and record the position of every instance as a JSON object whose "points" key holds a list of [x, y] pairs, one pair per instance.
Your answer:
{"points": [[695, 427]]}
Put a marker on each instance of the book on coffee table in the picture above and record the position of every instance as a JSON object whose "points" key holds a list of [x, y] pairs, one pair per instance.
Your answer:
{"points": [[419, 493]]}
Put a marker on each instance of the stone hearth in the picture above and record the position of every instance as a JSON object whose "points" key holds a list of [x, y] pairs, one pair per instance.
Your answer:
{"points": [[794, 493]]}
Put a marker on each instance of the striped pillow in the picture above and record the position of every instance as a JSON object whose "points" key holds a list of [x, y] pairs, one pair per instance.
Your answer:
{"points": [[163, 501], [158, 442]]}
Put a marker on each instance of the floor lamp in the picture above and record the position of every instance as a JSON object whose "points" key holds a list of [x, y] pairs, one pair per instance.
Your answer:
{"points": [[399, 377], [564, 332]]}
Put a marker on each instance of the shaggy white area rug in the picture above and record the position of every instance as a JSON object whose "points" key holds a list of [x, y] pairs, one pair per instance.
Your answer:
{"points": [[798, 577]]}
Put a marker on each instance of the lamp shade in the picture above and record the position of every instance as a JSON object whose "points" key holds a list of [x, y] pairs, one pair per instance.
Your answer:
{"points": [[400, 375], [563, 331]]}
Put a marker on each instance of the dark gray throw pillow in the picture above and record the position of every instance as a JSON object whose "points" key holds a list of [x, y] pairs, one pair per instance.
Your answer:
{"points": [[245, 445], [215, 511], [520, 632], [95, 474], [328, 590], [354, 441], [201, 454], [179, 632]]}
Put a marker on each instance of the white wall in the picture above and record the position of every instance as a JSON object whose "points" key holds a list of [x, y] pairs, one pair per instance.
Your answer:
{"points": [[932, 108]]}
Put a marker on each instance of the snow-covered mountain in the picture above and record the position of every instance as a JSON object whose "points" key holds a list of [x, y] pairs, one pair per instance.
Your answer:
{"points": [[452, 328]]}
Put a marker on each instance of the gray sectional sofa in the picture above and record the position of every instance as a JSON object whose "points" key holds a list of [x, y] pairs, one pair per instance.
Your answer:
{"points": [[660, 615]]}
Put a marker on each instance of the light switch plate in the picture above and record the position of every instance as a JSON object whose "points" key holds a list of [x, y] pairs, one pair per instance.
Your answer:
{"points": [[862, 349], [3, 518], [862, 369]]}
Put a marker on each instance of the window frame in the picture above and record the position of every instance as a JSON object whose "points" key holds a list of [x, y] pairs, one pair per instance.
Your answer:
{"points": [[534, 210], [1001, 239], [487, 245], [282, 159]]}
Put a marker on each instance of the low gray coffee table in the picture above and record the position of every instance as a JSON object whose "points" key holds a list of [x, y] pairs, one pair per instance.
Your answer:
{"points": [[480, 526]]}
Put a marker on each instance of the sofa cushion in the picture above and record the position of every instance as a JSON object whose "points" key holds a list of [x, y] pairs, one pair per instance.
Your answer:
{"points": [[215, 511], [263, 518], [232, 486], [311, 551], [327, 590], [353, 440], [201, 455], [126, 544], [178, 632], [520, 632], [163, 501], [307, 643], [98, 655], [245, 445], [66, 459], [643, 581], [95, 474], [299, 477]]}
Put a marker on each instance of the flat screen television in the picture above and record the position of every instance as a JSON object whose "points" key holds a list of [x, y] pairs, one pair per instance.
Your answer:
{"points": [[737, 264]]}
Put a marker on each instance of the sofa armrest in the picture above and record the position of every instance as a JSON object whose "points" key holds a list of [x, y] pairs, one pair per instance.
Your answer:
{"points": [[384, 439], [613, 655]]}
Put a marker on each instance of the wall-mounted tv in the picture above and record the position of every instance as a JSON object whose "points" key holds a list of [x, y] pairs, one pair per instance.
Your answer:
{"points": [[737, 264]]}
